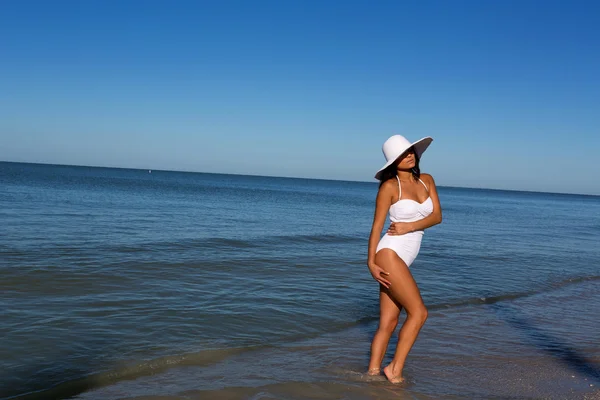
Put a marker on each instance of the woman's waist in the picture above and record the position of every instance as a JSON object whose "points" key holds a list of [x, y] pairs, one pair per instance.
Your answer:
{"points": [[406, 219], [413, 236]]}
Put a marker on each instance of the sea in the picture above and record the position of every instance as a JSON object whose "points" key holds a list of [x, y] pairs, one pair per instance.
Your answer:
{"points": [[138, 284]]}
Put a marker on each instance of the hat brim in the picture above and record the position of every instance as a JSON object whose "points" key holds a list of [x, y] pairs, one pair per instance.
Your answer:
{"points": [[420, 146]]}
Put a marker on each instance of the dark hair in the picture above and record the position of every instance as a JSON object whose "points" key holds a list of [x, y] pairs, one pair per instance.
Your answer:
{"points": [[392, 171]]}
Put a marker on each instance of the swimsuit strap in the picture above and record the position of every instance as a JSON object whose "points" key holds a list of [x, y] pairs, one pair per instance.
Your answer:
{"points": [[424, 185], [399, 187]]}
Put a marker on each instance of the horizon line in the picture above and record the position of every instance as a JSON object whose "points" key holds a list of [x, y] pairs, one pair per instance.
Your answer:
{"points": [[289, 177]]}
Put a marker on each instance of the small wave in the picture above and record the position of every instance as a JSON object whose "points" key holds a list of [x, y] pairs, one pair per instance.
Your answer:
{"points": [[273, 240], [184, 244], [483, 300], [341, 239], [516, 295], [235, 244], [77, 386]]}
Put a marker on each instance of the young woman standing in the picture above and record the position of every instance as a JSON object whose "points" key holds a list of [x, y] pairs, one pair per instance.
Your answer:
{"points": [[411, 200]]}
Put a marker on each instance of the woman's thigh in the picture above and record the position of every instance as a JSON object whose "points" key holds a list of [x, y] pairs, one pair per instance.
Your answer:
{"points": [[404, 289]]}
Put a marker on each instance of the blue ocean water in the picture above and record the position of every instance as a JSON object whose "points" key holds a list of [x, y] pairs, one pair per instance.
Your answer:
{"points": [[123, 283]]}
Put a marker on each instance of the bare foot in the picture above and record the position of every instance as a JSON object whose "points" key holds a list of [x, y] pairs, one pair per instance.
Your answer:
{"points": [[392, 375], [374, 371]]}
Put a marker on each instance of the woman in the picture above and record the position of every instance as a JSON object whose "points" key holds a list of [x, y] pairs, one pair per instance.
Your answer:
{"points": [[413, 205]]}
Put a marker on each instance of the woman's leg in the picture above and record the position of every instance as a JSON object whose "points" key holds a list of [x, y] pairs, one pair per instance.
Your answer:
{"points": [[389, 311], [404, 291]]}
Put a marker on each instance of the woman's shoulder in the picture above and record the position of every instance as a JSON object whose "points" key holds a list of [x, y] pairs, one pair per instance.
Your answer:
{"points": [[388, 186], [427, 178]]}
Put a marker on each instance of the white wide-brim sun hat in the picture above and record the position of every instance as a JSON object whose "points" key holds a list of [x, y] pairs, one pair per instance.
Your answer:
{"points": [[397, 145]]}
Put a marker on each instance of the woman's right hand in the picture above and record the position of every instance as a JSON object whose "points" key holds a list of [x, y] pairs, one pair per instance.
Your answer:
{"points": [[379, 274]]}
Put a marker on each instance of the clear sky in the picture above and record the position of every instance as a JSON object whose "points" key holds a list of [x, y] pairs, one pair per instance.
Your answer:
{"points": [[509, 90]]}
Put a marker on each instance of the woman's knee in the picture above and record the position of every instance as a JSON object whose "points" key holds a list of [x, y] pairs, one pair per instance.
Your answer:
{"points": [[424, 314], [388, 324], [420, 313]]}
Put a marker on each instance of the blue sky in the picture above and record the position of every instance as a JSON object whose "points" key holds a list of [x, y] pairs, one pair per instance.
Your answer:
{"points": [[509, 90]]}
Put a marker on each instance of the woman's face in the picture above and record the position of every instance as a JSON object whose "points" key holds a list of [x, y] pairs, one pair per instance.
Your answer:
{"points": [[407, 160]]}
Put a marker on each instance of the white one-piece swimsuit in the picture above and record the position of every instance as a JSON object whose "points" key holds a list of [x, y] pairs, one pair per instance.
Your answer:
{"points": [[406, 210]]}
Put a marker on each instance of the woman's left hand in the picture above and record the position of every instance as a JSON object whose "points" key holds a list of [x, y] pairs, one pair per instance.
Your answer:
{"points": [[399, 228]]}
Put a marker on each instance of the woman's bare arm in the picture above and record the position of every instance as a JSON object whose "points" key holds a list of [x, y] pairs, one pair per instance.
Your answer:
{"points": [[382, 206]]}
